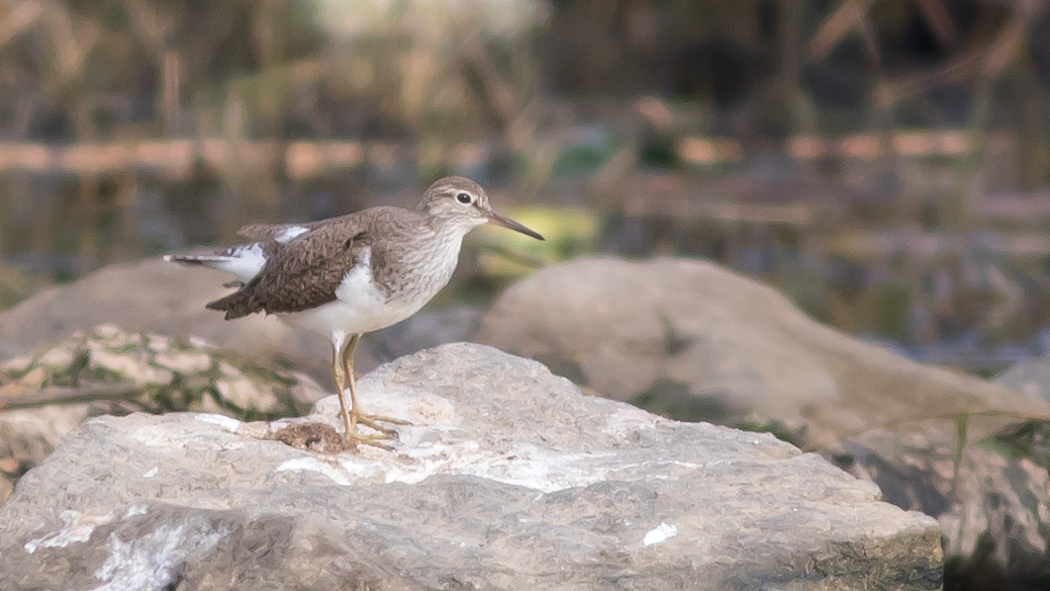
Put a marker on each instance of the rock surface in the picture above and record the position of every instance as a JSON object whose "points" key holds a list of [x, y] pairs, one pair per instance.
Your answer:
{"points": [[734, 347], [692, 340], [45, 394], [990, 500], [508, 478]]}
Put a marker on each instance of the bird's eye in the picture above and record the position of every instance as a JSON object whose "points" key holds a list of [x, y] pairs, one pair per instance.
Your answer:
{"points": [[463, 198]]}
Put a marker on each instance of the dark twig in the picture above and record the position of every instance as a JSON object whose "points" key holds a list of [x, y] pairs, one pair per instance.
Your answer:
{"points": [[32, 398]]}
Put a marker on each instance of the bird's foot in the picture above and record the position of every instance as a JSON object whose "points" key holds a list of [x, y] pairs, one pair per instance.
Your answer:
{"points": [[352, 419], [374, 420], [354, 438]]}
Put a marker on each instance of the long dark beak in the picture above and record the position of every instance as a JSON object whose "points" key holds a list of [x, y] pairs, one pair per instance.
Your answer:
{"points": [[509, 223]]}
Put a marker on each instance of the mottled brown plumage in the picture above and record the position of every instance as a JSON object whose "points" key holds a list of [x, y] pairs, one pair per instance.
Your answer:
{"points": [[304, 273], [353, 274]]}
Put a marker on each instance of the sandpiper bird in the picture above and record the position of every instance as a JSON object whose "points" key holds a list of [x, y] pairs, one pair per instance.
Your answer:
{"points": [[353, 274]]}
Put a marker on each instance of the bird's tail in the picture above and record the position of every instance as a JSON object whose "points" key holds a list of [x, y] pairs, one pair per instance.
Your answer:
{"points": [[214, 261], [243, 261]]}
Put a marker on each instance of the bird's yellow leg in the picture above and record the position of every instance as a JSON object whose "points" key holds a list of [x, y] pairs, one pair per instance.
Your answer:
{"points": [[349, 415], [356, 416], [340, 386]]}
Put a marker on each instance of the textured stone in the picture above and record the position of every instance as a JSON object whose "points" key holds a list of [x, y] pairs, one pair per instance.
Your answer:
{"points": [[692, 340], [735, 347], [508, 478], [111, 371]]}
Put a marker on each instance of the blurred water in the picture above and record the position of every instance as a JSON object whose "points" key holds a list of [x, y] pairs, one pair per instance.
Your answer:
{"points": [[973, 299]]}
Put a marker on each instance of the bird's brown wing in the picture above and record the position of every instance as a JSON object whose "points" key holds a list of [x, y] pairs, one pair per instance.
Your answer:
{"points": [[303, 273], [262, 232], [269, 232]]}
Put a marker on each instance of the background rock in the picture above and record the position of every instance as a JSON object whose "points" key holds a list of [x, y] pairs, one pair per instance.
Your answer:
{"points": [[695, 341], [508, 478], [423, 330], [164, 298], [1031, 378], [730, 347], [158, 297]]}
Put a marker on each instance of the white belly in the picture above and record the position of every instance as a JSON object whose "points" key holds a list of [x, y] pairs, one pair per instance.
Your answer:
{"points": [[359, 306], [361, 314]]}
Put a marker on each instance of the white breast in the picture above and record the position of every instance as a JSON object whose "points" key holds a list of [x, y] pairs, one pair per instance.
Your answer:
{"points": [[427, 270]]}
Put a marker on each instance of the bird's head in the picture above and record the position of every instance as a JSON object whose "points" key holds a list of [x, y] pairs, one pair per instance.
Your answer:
{"points": [[463, 204]]}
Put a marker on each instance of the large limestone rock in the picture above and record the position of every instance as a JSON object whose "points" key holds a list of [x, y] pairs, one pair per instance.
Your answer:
{"points": [[508, 478], [693, 340]]}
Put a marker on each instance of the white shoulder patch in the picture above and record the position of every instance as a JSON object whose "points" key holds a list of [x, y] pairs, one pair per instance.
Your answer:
{"points": [[289, 234]]}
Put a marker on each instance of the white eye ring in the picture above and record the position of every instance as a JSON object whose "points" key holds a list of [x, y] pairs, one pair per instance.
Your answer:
{"points": [[464, 198]]}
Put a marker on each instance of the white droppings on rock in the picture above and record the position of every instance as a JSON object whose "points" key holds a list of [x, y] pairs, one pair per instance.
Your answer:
{"points": [[529, 466], [538, 469], [228, 424], [151, 561], [660, 533], [433, 445], [78, 528], [311, 464], [151, 472], [136, 510]]}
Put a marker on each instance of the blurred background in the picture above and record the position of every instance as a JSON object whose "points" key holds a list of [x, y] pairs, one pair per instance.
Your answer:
{"points": [[885, 163]]}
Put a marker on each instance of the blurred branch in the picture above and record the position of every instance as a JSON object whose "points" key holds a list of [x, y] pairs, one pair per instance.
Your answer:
{"points": [[24, 15], [854, 15], [939, 19], [14, 397], [502, 97], [851, 15], [150, 26], [73, 39], [1009, 44], [988, 61]]}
